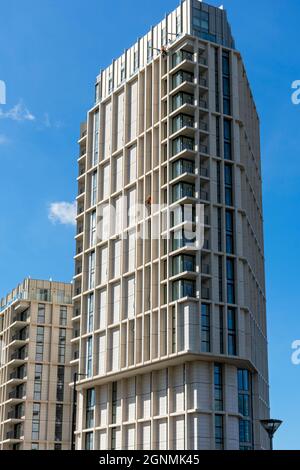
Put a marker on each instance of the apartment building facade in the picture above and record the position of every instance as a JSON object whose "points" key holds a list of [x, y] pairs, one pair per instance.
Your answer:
{"points": [[170, 335], [35, 371]]}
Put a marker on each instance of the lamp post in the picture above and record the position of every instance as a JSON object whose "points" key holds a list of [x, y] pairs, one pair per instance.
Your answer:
{"points": [[75, 380], [271, 426]]}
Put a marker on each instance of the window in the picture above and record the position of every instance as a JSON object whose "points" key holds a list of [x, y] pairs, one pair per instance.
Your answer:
{"points": [[180, 56], [218, 386], [181, 144], [37, 382], [228, 185], [34, 446], [58, 422], [221, 328], [183, 288], [110, 82], [116, 302], [103, 252], [217, 87], [205, 328], [105, 186], [39, 343], [57, 446], [93, 228], [94, 179], [63, 315], [220, 273], [36, 411], [43, 295], [123, 71], [90, 407], [229, 232], [91, 270], [61, 345], [182, 120], [164, 36], [183, 263], [182, 166], [89, 438], [244, 406], [135, 61], [90, 313], [41, 313], [226, 83], [60, 383], [218, 142], [180, 77], [230, 281], [149, 50], [102, 308], [89, 356], [231, 325], [114, 402], [219, 432], [178, 25], [227, 140], [182, 190], [96, 131], [131, 165], [180, 99]]}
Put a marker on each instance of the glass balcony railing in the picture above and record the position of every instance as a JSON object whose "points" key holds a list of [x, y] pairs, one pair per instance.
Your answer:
{"points": [[180, 56], [180, 77], [183, 288], [181, 190], [182, 120], [180, 99], [182, 166], [183, 263], [182, 239], [182, 143]]}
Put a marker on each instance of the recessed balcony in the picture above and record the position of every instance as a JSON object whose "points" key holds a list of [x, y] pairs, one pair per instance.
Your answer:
{"points": [[183, 81]]}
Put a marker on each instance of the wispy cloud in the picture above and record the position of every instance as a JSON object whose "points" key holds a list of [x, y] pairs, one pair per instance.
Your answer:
{"points": [[62, 213], [48, 122], [18, 113]]}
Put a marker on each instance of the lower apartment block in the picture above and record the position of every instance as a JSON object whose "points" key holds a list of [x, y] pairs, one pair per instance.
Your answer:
{"points": [[35, 397]]}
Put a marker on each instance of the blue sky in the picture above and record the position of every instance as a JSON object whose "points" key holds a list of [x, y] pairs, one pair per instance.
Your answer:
{"points": [[50, 54]]}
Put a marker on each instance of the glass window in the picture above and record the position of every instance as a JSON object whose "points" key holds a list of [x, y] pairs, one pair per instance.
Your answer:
{"points": [[36, 410], [62, 345], [63, 315], [90, 407], [39, 343], [58, 422], [205, 328], [218, 382], [60, 383], [41, 313], [90, 312], [89, 356], [231, 325], [219, 432], [89, 441]]}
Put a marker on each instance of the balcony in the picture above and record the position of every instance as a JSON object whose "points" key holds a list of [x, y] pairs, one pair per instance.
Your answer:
{"points": [[186, 79], [205, 269], [203, 126], [203, 82], [183, 288], [14, 435], [181, 167], [182, 99], [180, 56], [183, 121], [16, 395], [203, 148], [183, 190], [181, 240], [204, 196], [183, 264], [19, 355], [204, 172], [183, 144]]}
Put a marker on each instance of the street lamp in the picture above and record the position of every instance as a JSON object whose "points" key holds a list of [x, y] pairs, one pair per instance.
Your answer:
{"points": [[75, 380], [271, 426]]}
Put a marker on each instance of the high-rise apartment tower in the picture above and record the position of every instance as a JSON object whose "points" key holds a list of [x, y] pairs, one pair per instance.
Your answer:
{"points": [[171, 338], [35, 371]]}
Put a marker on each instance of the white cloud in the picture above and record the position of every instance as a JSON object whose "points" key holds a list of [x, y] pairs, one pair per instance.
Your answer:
{"points": [[18, 113], [63, 213]]}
